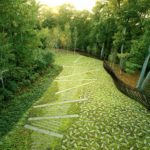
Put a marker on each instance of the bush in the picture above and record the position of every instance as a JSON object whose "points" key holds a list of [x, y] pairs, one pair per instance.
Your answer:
{"points": [[6, 94], [43, 58], [12, 86], [26, 82], [49, 58], [34, 77], [19, 73]]}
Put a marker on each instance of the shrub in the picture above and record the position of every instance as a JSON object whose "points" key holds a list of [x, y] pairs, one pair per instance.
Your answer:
{"points": [[12, 86], [6, 94], [43, 58]]}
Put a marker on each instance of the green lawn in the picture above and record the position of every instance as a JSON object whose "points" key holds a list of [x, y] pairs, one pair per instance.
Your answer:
{"points": [[106, 120]]}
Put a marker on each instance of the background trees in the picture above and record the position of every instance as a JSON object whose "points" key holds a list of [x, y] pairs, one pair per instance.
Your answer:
{"points": [[118, 30], [115, 28]]}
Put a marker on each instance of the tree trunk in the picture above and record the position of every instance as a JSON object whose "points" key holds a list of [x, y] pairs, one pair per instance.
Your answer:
{"points": [[118, 2], [102, 51], [145, 82], [139, 83], [3, 86], [121, 59]]}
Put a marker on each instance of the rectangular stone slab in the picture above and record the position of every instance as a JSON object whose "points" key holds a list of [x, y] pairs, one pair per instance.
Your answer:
{"points": [[73, 88], [54, 117], [61, 80], [33, 128], [64, 102]]}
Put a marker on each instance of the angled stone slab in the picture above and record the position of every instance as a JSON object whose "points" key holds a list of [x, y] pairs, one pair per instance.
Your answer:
{"points": [[70, 66], [64, 102], [54, 117], [59, 80], [77, 59], [40, 124], [73, 88], [33, 128], [78, 73], [45, 127], [82, 63], [48, 122]]}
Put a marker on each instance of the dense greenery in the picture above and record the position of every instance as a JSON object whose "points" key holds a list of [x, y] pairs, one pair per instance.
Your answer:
{"points": [[117, 30], [22, 54], [17, 107]]}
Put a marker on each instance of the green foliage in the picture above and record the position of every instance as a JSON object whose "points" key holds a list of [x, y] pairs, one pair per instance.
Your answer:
{"points": [[113, 56], [138, 56], [49, 20], [115, 24], [19, 43], [44, 37], [42, 60], [11, 112], [27, 33]]}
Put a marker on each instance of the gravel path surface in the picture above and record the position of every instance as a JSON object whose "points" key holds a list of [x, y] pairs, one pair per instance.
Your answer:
{"points": [[107, 119]]}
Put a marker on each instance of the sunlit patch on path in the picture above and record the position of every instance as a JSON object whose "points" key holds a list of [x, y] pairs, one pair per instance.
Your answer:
{"points": [[63, 102], [43, 131]]}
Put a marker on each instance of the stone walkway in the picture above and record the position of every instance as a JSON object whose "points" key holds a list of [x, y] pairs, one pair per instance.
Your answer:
{"points": [[44, 125], [89, 113]]}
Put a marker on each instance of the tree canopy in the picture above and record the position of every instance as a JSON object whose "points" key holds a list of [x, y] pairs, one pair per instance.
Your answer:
{"points": [[21, 48]]}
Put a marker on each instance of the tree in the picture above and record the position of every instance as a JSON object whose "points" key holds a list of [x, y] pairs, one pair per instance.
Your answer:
{"points": [[75, 38], [19, 43]]}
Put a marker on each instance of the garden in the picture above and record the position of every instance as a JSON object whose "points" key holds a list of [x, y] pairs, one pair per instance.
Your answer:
{"points": [[75, 79]]}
